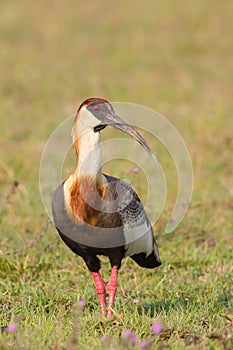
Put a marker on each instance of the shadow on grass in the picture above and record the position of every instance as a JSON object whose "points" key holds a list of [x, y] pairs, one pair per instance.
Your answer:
{"points": [[182, 303], [161, 306]]}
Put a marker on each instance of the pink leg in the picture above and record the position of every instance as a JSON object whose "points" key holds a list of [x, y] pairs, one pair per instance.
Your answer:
{"points": [[100, 288], [112, 288]]}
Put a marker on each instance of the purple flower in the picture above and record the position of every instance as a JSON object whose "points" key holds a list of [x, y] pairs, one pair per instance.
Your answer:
{"points": [[82, 304], [127, 333], [143, 344], [156, 328], [135, 170], [134, 338], [10, 327], [102, 338]]}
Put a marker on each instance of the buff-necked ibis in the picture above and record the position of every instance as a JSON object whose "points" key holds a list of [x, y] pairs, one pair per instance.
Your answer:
{"points": [[97, 214]]}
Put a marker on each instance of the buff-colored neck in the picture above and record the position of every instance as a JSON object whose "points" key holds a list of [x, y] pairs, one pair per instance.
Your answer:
{"points": [[89, 155]]}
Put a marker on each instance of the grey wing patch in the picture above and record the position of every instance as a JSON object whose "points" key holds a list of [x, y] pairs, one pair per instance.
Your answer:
{"points": [[136, 225]]}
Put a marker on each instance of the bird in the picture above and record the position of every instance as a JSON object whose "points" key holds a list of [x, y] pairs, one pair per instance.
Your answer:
{"points": [[97, 214]]}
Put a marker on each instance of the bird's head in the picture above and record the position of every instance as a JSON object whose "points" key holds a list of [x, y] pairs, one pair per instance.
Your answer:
{"points": [[95, 114]]}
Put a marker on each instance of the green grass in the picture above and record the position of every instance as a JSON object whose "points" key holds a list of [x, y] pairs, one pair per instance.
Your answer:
{"points": [[174, 57]]}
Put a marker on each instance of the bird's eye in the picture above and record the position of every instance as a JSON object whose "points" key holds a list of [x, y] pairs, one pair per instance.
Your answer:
{"points": [[96, 108]]}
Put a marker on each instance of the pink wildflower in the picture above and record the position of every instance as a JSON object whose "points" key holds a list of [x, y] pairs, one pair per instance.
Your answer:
{"points": [[156, 328]]}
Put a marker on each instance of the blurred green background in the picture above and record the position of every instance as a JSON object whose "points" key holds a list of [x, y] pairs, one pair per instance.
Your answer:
{"points": [[172, 56]]}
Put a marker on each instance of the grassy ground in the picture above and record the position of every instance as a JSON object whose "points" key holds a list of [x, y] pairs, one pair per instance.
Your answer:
{"points": [[174, 57]]}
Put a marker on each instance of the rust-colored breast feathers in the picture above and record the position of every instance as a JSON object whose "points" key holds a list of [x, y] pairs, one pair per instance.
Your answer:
{"points": [[89, 201], [85, 199]]}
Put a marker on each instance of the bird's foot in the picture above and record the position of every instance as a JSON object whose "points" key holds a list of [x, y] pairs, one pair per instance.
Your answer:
{"points": [[103, 311], [109, 314]]}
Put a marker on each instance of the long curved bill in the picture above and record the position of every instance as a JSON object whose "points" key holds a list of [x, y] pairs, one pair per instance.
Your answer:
{"points": [[117, 122]]}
